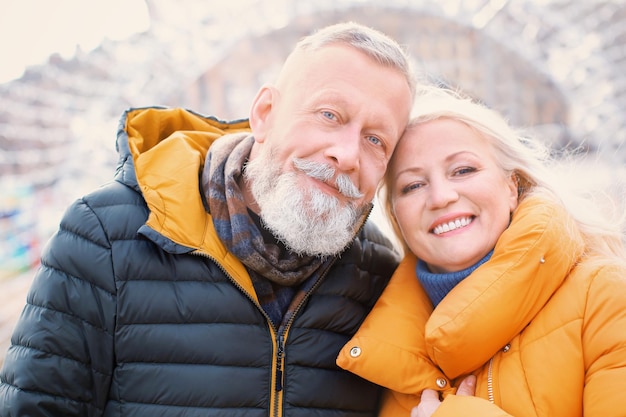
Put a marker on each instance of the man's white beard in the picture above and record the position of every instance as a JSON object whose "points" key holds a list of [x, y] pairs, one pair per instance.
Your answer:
{"points": [[307, 221]]}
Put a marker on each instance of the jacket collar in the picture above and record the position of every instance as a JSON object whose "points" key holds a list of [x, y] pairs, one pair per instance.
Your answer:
{"points": [[404, 345]]}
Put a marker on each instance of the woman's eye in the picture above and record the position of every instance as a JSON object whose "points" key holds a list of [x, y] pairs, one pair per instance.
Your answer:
{"points": [[464, 170], [411, 187]]}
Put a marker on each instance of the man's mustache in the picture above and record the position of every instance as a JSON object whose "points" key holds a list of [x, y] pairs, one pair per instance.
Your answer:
{"points": [[326, 173]]}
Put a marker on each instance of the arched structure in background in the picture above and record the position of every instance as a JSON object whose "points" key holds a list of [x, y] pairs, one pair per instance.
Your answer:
{"points": [[556, 65]]}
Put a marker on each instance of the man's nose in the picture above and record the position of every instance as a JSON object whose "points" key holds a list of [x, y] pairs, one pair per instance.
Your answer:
{"points": [[345, 151]]}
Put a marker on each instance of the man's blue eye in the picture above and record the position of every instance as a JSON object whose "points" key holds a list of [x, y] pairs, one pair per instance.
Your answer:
{"points": [[374, 140]]}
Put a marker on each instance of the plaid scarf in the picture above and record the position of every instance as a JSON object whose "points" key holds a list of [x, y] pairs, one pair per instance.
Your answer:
{"points": [[274, 270]]}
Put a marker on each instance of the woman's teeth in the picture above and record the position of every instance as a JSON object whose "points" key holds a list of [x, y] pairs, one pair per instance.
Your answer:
{"points": [[455, 224]]}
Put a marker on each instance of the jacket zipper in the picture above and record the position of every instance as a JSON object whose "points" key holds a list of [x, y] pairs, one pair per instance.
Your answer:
{"points": [[280, 352], [278, 386], [490, 395], [490, 381], [280, 336]]}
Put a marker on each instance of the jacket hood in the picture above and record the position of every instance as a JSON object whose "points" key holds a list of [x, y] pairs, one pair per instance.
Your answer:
{"points": [[140, 130], [161, 155]]}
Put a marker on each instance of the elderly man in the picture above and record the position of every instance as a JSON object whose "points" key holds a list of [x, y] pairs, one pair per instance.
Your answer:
{"points": [[227, 264]]}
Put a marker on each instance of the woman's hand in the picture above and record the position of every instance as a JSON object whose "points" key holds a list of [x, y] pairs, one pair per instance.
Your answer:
{"points": [[430, 401]]}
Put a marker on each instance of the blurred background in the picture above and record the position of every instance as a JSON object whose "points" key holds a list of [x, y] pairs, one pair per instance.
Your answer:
{"points": [[70, 68]]}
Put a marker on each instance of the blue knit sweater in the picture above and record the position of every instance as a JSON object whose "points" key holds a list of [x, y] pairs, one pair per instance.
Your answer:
{"points": [[437, 286]]}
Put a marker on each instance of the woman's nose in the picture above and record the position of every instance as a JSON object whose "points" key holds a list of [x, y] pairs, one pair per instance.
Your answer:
{"points": [[441, 193]]}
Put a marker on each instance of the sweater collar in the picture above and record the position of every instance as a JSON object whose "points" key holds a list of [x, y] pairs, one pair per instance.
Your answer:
{"points": [[437, 286]]}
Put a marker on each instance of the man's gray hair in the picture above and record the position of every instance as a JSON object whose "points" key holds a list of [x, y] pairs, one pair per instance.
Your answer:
{"points": [[379, 46]]}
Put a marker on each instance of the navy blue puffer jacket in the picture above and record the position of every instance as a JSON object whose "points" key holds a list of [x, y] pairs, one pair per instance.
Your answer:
{"points": [[139, 310]]}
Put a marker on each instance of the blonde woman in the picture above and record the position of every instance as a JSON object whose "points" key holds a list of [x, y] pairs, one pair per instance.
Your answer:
{"points": [[511, 299]]}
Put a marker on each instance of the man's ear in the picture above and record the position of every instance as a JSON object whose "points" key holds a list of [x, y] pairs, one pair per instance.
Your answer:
{"points": [[261, 112]]}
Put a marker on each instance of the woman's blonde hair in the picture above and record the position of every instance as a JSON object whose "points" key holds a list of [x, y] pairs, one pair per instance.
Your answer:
{"points": [[599, 217]]}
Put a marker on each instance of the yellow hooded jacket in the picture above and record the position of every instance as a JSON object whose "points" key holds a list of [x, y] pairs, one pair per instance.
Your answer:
{"points": [[541, 326]]}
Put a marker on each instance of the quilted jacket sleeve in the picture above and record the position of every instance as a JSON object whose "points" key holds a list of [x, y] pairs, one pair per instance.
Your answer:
{"points": [[60, 359], [602, 287], [604, 342]]}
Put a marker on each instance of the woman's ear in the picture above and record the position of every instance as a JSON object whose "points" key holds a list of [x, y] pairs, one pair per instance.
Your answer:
{"points": [[514, 191], [261, 112]]}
